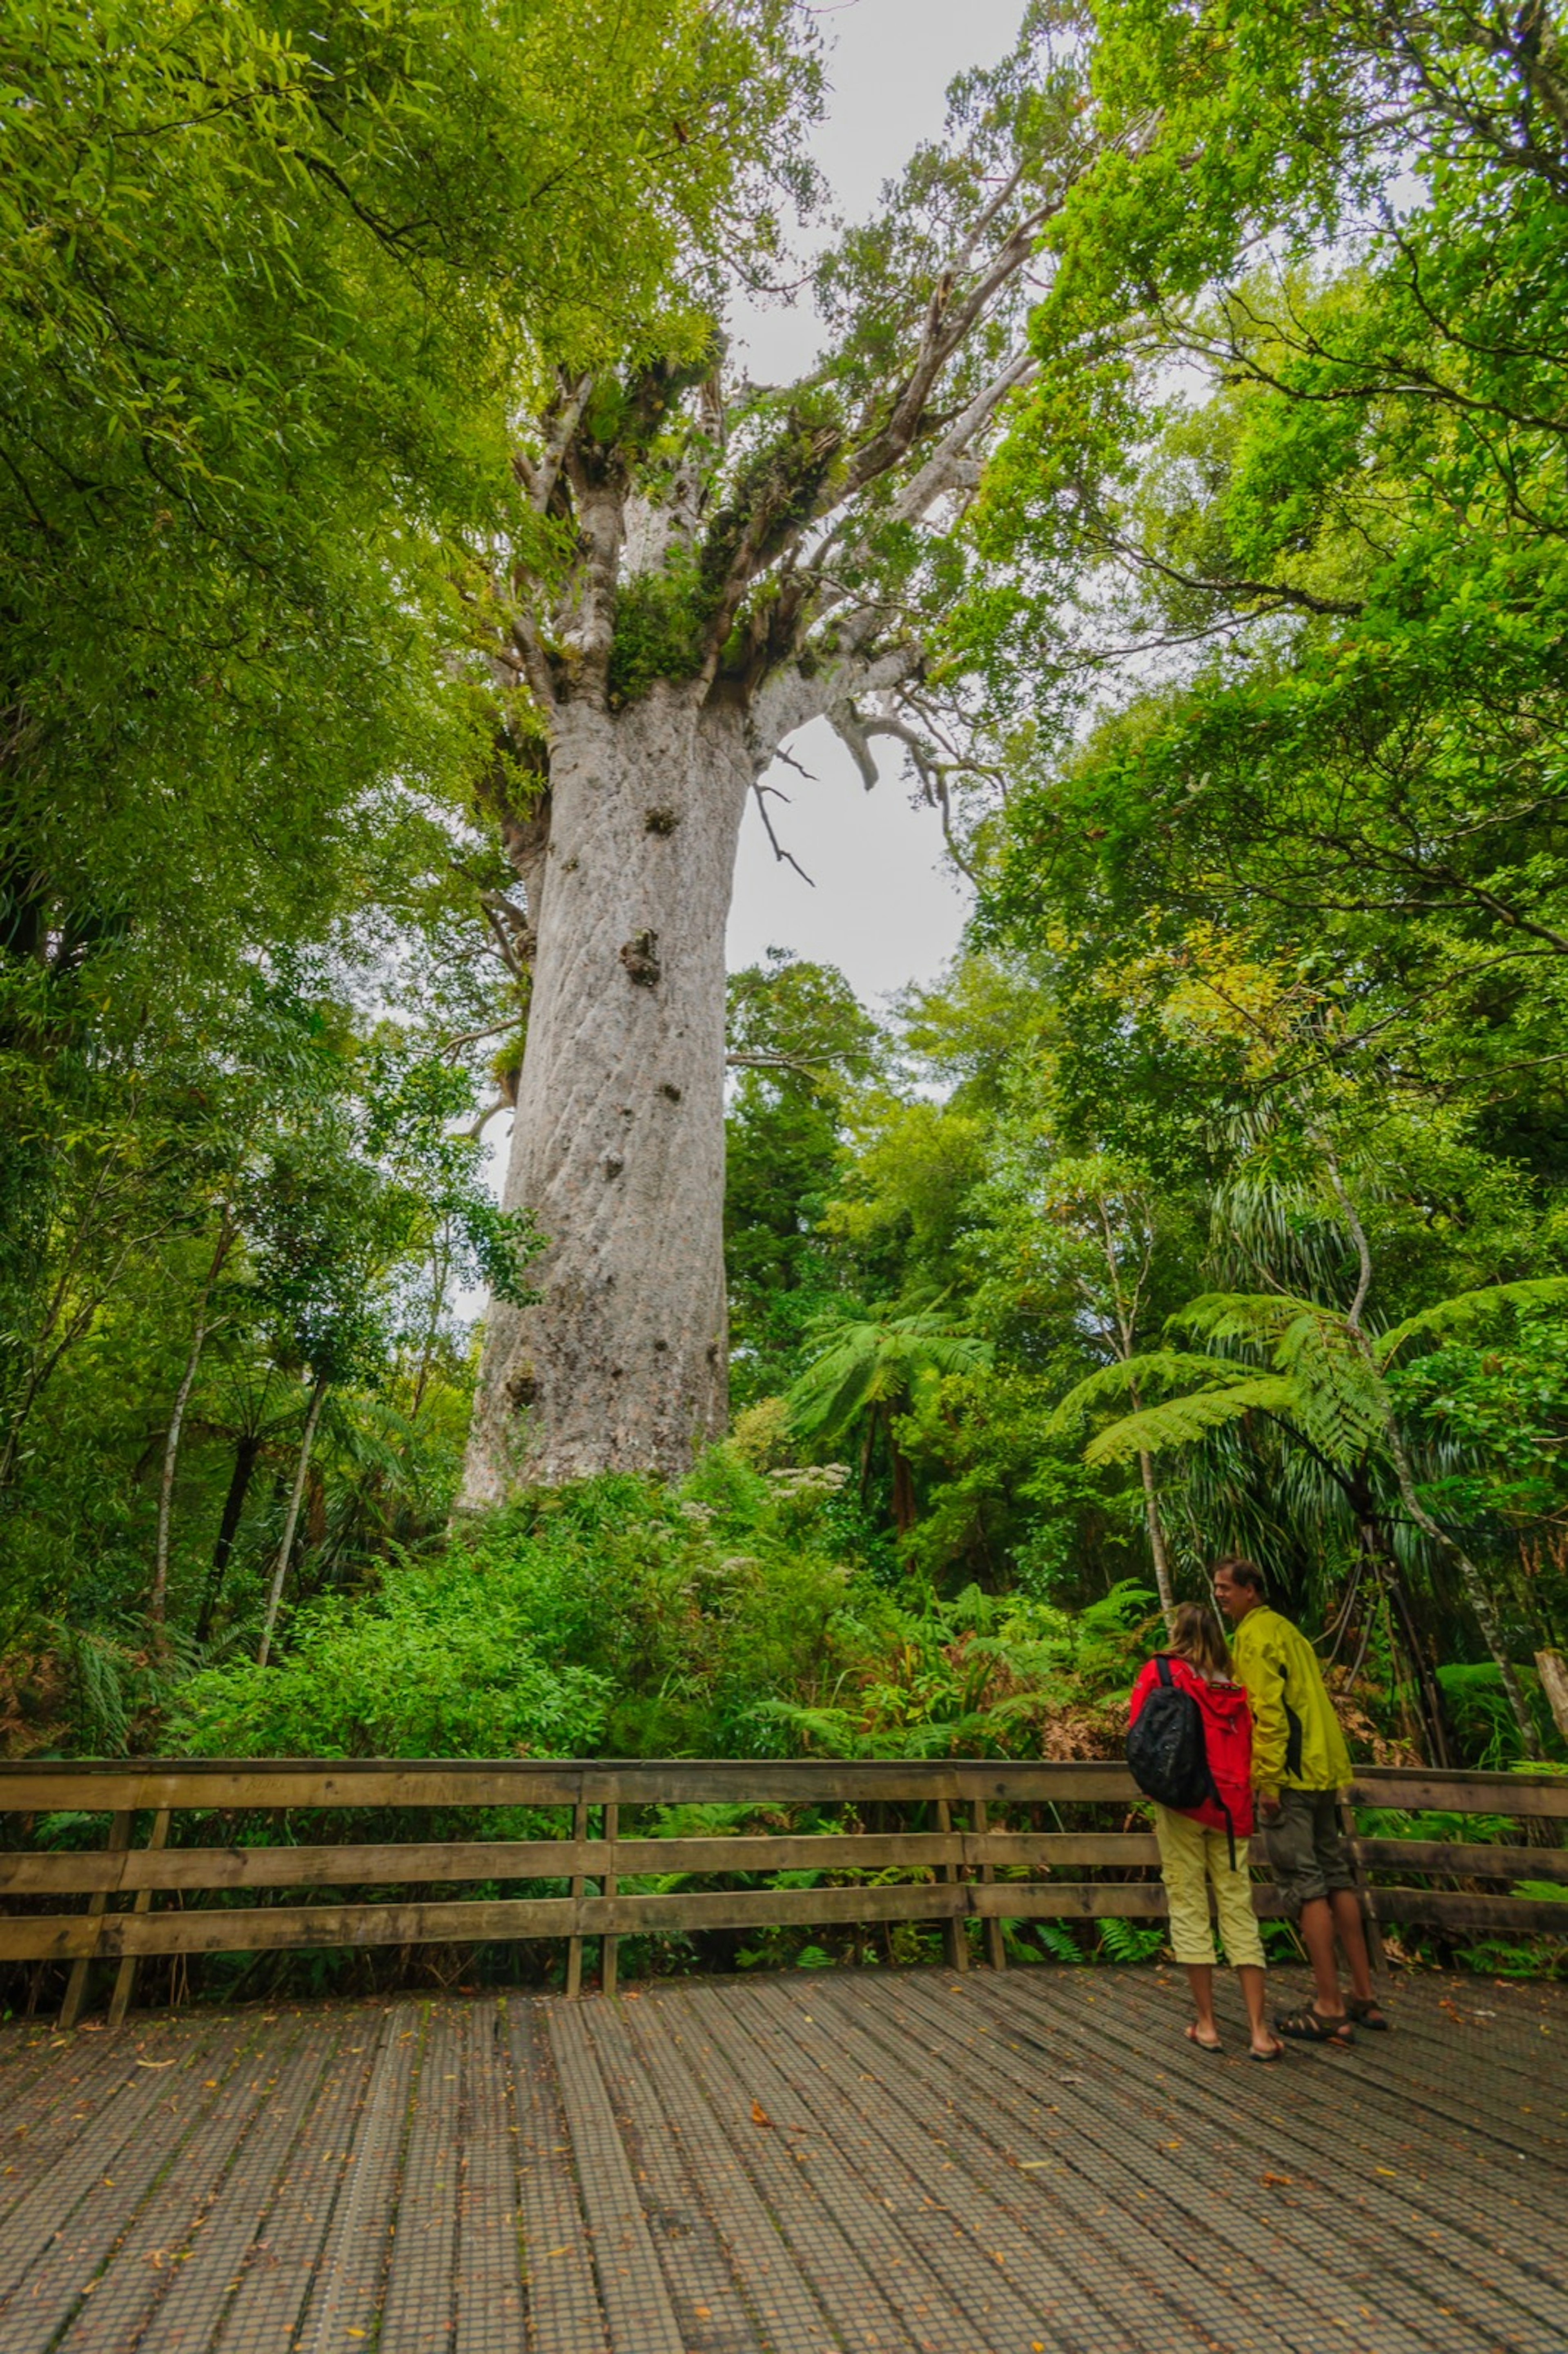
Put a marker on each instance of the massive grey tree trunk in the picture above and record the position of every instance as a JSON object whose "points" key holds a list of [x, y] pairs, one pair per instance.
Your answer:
{"points": [[617, 1144]]}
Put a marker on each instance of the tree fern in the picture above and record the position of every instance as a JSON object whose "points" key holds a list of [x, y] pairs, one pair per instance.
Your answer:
{"points": [[1178, 1422], [1472, 1308], [877, 1358], [1158, 1369]]}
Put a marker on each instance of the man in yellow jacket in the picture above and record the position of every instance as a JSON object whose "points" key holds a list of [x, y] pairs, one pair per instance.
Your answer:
{"points": [[1299, 1765]]}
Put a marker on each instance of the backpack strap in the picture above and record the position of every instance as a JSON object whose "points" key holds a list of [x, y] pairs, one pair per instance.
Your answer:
{"points": [[1162, 1661]]}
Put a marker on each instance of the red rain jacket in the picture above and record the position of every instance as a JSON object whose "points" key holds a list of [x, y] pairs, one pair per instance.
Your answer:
{"points": [[1227, 1736]]}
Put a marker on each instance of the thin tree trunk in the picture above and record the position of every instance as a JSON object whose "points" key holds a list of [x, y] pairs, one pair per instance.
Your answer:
{"points": [[1156, 1536], [1126, 1303], [903, 1489], [157, 1601], [618, 1146], [244, 1460], [280, 1567]]}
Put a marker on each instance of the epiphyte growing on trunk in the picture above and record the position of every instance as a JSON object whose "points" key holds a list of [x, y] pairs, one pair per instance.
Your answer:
{"points": [[641, 958]]}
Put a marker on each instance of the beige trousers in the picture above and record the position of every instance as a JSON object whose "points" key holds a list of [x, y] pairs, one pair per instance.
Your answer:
{"points": [[1192, 1858]]}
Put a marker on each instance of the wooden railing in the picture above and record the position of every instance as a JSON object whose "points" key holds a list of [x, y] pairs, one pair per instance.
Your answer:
{"points": [[80, 1905]]}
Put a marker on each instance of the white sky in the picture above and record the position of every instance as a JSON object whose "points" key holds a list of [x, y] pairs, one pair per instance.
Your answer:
{"points": [[885, 907]]}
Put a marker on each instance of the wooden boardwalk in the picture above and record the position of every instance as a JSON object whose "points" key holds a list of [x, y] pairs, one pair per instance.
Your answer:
{"points": [[999, 2165]]}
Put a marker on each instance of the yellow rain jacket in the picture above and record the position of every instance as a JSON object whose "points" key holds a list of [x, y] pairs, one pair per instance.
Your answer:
{"points": [[1297, 1744]]}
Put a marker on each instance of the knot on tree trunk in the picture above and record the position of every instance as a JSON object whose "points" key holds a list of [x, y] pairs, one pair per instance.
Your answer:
{"points": [[641, 958]]}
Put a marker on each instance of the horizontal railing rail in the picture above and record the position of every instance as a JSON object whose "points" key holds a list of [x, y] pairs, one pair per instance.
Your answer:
{"points": [[78, 1906]]}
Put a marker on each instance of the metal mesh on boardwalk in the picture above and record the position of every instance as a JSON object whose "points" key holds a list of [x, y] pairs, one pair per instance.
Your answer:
{"points": [[913, 2163]]}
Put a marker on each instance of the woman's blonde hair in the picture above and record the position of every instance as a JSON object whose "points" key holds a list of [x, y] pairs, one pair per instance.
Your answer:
{"points": [[1196, 1635]]}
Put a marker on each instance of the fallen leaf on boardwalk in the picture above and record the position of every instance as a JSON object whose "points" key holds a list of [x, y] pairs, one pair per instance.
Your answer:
{"points": [[1392, 2171], [1277, 2181], [760, 2115], [155, 2063]]}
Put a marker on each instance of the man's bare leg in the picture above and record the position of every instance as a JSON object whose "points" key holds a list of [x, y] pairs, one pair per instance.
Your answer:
{"points": [[1318, 1927], [1347, 1919]]}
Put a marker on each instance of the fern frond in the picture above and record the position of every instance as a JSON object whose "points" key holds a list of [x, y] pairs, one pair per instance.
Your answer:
{"points": [[1472, 1308], [1178, 1421], [831, 1393], [1158, 1370], [1260, 1317]]}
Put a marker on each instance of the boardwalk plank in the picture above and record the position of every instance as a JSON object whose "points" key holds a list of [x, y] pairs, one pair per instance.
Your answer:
{"points": [[417, 2312], [561, 2303], [345, 2300], [488, 2281], [631, 2286]]}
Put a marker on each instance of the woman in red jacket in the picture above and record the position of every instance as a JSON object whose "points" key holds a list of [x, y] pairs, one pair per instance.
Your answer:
{"points": [[1205, 1847]]}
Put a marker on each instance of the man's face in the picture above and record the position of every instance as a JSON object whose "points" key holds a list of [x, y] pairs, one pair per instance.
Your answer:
{"points": [[1234, 1600]]}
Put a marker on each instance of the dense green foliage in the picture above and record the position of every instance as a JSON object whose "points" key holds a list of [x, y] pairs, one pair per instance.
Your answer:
{"points": [[278, 280], [1217, 1196]]}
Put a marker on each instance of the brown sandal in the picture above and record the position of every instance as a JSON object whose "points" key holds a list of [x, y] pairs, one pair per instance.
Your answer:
{"points": [[1367, 2011], [1309, 2026]]}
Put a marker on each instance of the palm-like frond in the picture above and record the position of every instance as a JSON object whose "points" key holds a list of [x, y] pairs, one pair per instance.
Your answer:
{"points": [[1473, 1308], [838, 1384], [1260, 1317], [1158, 1369], [877, 1359], [1178, 1422]]}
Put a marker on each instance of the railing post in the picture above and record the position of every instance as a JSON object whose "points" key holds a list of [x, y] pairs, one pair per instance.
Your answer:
{"points": [[97, 1905], [955, 1936], [995, 1944], [125, 1976], [610, 1947], [574, 1944]]}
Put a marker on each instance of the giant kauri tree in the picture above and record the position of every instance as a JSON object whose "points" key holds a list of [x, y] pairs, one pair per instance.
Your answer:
{"points": [[740, 561]]}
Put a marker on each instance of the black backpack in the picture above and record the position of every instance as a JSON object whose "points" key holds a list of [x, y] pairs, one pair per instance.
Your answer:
{"points": [[1166, 1751]]}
